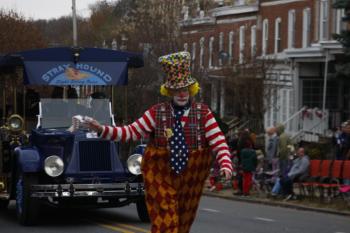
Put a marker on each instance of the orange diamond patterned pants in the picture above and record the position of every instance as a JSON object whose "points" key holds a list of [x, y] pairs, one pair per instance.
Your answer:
{"points": [[172, 200]]}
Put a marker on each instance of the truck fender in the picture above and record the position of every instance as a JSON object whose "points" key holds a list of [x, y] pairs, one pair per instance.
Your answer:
{"points": [[28, 160]]}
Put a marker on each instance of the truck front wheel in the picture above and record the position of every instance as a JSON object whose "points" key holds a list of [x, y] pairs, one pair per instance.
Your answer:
{"points": [[4, 204], [27, 208], [142, 210]]}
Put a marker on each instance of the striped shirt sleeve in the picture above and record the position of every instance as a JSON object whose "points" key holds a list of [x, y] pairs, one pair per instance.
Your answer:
{"points": [[134, 131], [217, 142]]}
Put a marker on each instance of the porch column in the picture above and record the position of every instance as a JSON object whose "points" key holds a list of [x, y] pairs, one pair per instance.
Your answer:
{"points": [[214, 96], [222, 98]]}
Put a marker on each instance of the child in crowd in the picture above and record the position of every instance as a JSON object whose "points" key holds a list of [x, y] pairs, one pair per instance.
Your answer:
{"points": [[215, 183], [249, 162]]}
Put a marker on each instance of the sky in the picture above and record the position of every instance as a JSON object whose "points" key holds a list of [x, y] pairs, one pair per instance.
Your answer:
{"points": [[47, 9]]}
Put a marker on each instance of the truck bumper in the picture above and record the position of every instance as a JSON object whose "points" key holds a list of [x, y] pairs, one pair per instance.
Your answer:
{"points": [[87, 190]]}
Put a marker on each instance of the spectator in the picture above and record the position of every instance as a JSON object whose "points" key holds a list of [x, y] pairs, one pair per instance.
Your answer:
{"points": [[271, 149], [277, 189], [244, 141], [215, 180], [337, 142], [298, 172], [249, 162], [345, 141], [283, 150]]}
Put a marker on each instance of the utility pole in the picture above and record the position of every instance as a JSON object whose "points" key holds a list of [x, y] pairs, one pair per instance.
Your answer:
{"points": [[325, 91], [74, 16]]}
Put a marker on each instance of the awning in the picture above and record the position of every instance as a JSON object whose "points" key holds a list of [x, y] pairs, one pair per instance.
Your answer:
{"points": [[73, 66]]}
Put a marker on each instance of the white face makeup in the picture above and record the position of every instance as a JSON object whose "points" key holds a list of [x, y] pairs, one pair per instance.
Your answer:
{"points": [[181, 97]]}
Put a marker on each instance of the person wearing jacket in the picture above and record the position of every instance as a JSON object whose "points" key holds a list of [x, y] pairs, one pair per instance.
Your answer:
{"points": [[248, 162], [298, 172], [183, 135]]}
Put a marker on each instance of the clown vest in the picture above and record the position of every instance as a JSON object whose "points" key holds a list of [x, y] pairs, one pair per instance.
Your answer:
{"points": [[193, 129]]}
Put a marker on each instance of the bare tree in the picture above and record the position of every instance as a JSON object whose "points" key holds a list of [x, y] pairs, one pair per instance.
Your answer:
{"points": [[249, 90], [18, 34]]}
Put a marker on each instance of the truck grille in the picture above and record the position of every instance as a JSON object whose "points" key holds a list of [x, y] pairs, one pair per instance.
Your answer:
{"points": [[95, 156]]}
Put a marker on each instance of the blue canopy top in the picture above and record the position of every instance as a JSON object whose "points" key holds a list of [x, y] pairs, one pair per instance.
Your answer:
{"points": [[72, 66]]}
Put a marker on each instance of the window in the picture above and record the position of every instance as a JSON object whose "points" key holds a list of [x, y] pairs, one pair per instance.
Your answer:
{"points": [[291, 29], [193, 54], [201, 55], [312, 93], [253, 41], [278, 45], [230, 46], [338, 22], [285, 102], [221, 45], [265, 36], [324, 20], [211, 50], [241, 44], [306, 27]]}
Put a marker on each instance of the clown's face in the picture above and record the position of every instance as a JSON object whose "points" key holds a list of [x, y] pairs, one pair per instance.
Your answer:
{"points": [[181, 96]]}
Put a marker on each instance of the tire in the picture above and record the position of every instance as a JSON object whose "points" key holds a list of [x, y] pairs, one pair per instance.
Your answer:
{"points": [[142, 210], [4, 204], [27, 208]]}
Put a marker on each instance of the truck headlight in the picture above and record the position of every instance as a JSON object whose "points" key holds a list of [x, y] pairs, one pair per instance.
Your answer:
{"points": [[15, 122], [134, 164], [53, 166]]}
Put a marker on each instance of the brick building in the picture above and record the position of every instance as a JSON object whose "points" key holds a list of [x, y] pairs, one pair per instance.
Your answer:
{"points": [[295, 34]]}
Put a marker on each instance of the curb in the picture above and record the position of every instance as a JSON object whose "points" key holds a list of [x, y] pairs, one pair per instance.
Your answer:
{"points": [[277, 203]]}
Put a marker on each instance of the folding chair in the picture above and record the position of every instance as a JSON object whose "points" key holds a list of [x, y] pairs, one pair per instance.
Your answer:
{"points": [[324, 177], [314, 173], [333, 181], [345, 175]]}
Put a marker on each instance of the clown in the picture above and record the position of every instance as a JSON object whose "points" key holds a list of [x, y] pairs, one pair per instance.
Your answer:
{"points": [[183, 134]]}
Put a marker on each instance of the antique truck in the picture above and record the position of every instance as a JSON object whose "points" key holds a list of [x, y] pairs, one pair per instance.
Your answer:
{"points": [[54, 161]]}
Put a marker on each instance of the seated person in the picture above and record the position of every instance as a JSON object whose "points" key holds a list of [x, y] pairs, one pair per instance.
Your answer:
{"points": [[298, 172]]}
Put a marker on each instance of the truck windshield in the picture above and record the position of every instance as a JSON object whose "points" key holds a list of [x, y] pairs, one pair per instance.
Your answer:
{"points": [[58, 113]]}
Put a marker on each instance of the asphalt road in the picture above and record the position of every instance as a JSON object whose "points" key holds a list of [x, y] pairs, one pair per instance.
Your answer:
{"points": [[214, 216]]}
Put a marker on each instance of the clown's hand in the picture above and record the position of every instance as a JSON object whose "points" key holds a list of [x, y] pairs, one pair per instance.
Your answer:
{"points": [[92, 124], [227, 174]]}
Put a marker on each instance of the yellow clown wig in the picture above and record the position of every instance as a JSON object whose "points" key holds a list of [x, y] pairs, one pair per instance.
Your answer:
{"points": [[193, 89]]}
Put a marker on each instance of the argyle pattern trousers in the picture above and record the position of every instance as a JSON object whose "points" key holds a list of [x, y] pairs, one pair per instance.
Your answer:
{"points": [[172, 200]]}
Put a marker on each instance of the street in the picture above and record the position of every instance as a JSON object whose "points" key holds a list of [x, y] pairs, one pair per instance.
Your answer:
{"points": [[215, 216]]}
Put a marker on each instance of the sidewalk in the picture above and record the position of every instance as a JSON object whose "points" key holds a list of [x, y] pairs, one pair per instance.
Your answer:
{"points": [[337, 206]]}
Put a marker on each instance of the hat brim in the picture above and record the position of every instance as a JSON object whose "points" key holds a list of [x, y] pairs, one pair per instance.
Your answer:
{"points": [[171, 86]]}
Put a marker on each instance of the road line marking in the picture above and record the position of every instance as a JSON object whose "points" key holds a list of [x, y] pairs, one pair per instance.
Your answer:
{"points": [[108, 222], [265, 219], [118, 229], [133, 227], [211, 210]]}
